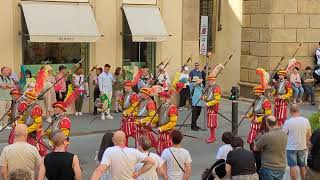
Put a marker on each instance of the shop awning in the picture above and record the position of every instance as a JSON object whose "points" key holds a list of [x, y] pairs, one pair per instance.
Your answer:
{"points": [[48, 22], [145, 23]]}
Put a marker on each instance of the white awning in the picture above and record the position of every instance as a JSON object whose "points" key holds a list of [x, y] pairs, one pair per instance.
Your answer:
{"points": [[145, 23], [48, 22]]}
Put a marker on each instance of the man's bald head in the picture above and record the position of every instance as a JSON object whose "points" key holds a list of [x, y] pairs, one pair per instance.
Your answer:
{"points": [[58, 138], [119, 138], [21, 131], [294, 109]]}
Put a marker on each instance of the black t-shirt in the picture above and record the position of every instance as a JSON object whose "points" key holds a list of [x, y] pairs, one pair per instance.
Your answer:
{"points": [[315, 141], [242, 162], [59, 166]]}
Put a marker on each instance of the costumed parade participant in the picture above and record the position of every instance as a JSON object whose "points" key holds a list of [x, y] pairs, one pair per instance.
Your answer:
{"points": [[212, 98], [130, 102], [60, 121], [261, 107], [146, 113], [167, 121], [31, 115], [282, 92], [13, 112]]}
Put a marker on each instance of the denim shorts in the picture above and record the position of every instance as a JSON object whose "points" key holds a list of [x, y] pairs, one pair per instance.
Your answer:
{"points": [[296, 158]]}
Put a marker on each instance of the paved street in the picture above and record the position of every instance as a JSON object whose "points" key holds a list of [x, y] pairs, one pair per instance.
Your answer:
{"points": [[86, 139]]}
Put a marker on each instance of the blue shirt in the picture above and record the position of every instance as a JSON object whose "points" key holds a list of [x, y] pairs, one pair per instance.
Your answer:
{"points": [[195, 73], [196, 93]]}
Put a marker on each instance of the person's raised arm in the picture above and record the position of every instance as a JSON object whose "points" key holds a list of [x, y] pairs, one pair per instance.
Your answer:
{"points": [[147, 165], [76, 168], [187, 171], [99, 172]]}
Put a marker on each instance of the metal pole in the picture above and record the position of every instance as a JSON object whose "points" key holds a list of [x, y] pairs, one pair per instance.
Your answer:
{"points": [[205, 119], [235, 117]]}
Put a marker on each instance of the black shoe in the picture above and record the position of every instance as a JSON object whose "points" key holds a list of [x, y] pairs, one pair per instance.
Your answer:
{"points": [[95, 113], [194, 128], [198, 127], [313, 103]]}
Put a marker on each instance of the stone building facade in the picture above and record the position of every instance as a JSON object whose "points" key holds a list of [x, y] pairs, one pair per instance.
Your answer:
{"points": [[272, 29]]}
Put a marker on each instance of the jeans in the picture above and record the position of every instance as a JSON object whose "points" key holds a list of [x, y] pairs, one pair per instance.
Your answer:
{"points": [[184, 96], [296, 158], [309, 90], [298, 91], [196, 111], [271, 174]]}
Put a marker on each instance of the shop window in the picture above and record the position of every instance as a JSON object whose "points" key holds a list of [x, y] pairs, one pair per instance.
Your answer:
{"points": [[37, 53], [138, 53], [206, 9]]}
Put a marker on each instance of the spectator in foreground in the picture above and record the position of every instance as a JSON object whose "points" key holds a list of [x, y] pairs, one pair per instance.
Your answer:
{"points": [[272, 146], [298, 130], [196, 89], [105, 143], [78, 82], [118, 89], [60, 164], [120, 161], [226, 148], [308, 87], [177, 159], [296, 83], [144, 146], [20, 155], [96, 93], [196, 71], [240, 163], [20, 174], [313, 170], [106, 80], [6, 85], [61, 86]]}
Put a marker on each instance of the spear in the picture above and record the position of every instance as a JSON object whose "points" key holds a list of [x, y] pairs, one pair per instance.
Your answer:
{"points": [[227, 61]]}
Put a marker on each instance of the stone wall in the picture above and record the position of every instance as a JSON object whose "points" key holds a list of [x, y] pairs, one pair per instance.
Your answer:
{"points": [[274, 28]]}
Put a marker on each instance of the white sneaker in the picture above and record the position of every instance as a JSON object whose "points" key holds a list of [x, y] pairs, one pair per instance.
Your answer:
{"points": [[8, 127], [109, 116], [49, 120], [76, 114], [103, 117], [2, 126], [80, 113]]}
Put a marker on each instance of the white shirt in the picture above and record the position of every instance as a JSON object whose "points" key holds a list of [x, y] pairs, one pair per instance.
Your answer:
{"points": [[224, 151], [296, 128], [121, 162], [186, 76], [78, 80], [318, 56], [173, 170], [105, 82], [164, 78], [152, 173]]}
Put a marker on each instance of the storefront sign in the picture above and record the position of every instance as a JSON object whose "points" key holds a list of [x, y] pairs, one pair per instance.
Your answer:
{"points": [[152, 2], [204, 35]]}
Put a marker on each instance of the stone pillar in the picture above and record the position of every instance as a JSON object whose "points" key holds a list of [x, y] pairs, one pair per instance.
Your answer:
{"points": [[272, 29]]}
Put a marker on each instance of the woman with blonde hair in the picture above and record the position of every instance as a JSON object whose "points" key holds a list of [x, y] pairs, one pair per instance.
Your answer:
{"points": [[50, 96]]}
